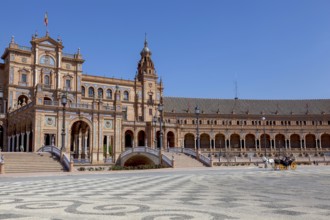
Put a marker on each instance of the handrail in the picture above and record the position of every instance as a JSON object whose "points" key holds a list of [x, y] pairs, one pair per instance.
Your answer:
{"points": [[167, 160], [189, 151], [207, 161], [57, 152]]}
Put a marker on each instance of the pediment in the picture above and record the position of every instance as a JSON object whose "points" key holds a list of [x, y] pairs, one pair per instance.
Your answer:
{"points": [[47, 41]]}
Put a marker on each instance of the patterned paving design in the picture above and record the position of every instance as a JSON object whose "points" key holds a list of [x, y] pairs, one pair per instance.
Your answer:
{"points": [[208, 193]]}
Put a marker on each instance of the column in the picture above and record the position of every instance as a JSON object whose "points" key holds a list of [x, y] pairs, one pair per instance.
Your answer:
{"points": [[85, 145], [242, 142], [108, 146], [256, 144], [316, 143], [22, 140], [274, 144], [195, 143], [210, 144], [229, 144], [27, 141], [75, 147], [8, 145], [79, 145], [289, 144], [13, 143], [286, 143], [17, 143]]}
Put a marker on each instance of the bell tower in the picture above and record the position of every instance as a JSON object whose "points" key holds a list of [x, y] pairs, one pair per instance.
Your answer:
{"points": [[148, 89]]}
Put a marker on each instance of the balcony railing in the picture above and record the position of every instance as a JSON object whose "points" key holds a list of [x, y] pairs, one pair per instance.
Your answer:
{"points": [[68, 55]]}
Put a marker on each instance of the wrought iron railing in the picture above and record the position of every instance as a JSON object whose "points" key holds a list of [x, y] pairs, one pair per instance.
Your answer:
{"points": [[57, 152]]}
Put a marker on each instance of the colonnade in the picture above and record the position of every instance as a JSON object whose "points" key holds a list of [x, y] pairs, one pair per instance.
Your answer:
{"points": [[20, 142]]}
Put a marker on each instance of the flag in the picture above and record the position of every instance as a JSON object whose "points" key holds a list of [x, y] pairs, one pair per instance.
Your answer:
{"points": [[46, 19]]}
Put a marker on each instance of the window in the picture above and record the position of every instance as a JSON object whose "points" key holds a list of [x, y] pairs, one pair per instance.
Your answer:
{"points": [[109, 94], [68, 83], [150, 111], [91, 92], [46, 80], [126, 96], [24, 78], [83, 91], [100, 93]]}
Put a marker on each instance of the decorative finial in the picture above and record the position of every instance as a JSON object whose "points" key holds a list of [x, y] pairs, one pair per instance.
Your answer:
{"points": [[145, 40], [59, 39], [12, 39], [47, 33], [36, 34], [78, 51]]}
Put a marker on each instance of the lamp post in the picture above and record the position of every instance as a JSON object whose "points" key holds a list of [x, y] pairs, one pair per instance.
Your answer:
{"points": [[160, 109], [263, 119], [154, 120], [197, 112], [63, 101]]}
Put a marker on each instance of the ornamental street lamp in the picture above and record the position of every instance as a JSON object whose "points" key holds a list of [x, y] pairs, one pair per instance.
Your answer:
{"points": [[63, 101], [154, 120], [263, 119], [197, 112], [160, 109]]}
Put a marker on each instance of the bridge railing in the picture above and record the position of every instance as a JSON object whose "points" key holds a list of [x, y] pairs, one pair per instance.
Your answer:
{"points": [[205, 160], [190, 152], [167, 160], [57, 152]]}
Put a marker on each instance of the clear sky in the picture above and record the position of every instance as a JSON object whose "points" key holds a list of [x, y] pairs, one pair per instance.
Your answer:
{"points": [[274, 49]]}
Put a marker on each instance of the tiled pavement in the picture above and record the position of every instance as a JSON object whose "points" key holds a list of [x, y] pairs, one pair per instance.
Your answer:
{"points": [[205, 193]]}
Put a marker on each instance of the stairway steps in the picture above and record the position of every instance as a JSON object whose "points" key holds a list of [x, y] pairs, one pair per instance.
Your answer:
{"points": [[22, 162], [182, 160]]}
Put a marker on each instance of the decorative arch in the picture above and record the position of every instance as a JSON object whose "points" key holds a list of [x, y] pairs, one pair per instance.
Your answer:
{"points": [[250, 141], [280, 141], [22, 99], [170, 139], [310, 141], [189, 140], [100, 93], [47, 60], [91, 92], [129, 138], [325, 140], [295, 141], [220, 141], [265, 141], [204, 141], [125, 96], [141, 138], [235, 141]]}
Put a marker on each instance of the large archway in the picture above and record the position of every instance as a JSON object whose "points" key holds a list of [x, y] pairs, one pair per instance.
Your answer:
{"points": [[235, 141], [80, 140], [295, 141], [129, 137], [250, 142], [280, 141], [205, 141], [220, 141], [170, 139], [325, 141], [310, 141], [138, 160], [141, 139], [189, 141]]}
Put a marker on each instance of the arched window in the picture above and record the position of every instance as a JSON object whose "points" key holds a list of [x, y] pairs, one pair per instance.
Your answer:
{"points": [[46, 80], [47, 60], [83, 91], [91, 92], [100, 93], [126, 96], [109, 94]]}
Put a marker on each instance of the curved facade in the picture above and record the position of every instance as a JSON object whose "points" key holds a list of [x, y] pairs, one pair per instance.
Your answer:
{"points": [[104, 116]]}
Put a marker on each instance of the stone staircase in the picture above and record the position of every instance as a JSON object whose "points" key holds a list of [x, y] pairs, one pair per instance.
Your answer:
{"points": [[21, 162], [182, 160]]}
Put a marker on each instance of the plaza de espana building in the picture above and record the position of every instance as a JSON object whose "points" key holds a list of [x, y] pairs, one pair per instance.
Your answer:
{"points": [[106, 116]]}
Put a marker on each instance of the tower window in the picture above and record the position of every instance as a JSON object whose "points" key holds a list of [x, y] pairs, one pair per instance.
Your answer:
{"points": [[68, 83], [46, 80], [125, 96], [109, 94], [24, 78], [91, 92], [83, 91], [100, 93]]}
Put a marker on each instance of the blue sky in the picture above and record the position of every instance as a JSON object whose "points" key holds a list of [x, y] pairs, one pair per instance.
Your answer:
{"points": [[274, 49]]}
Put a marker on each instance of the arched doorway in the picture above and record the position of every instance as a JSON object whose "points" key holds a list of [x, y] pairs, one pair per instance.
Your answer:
{"points": [[80, 140], [264, 141], [205, 141], [129, 137], [170, 139], [295, 141], [141, 139], [235, 141], [220, 141], [47, 101], [189, 141], [22, 99], [310, 141], [250, 142], [280, 141], [325, 141]]}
